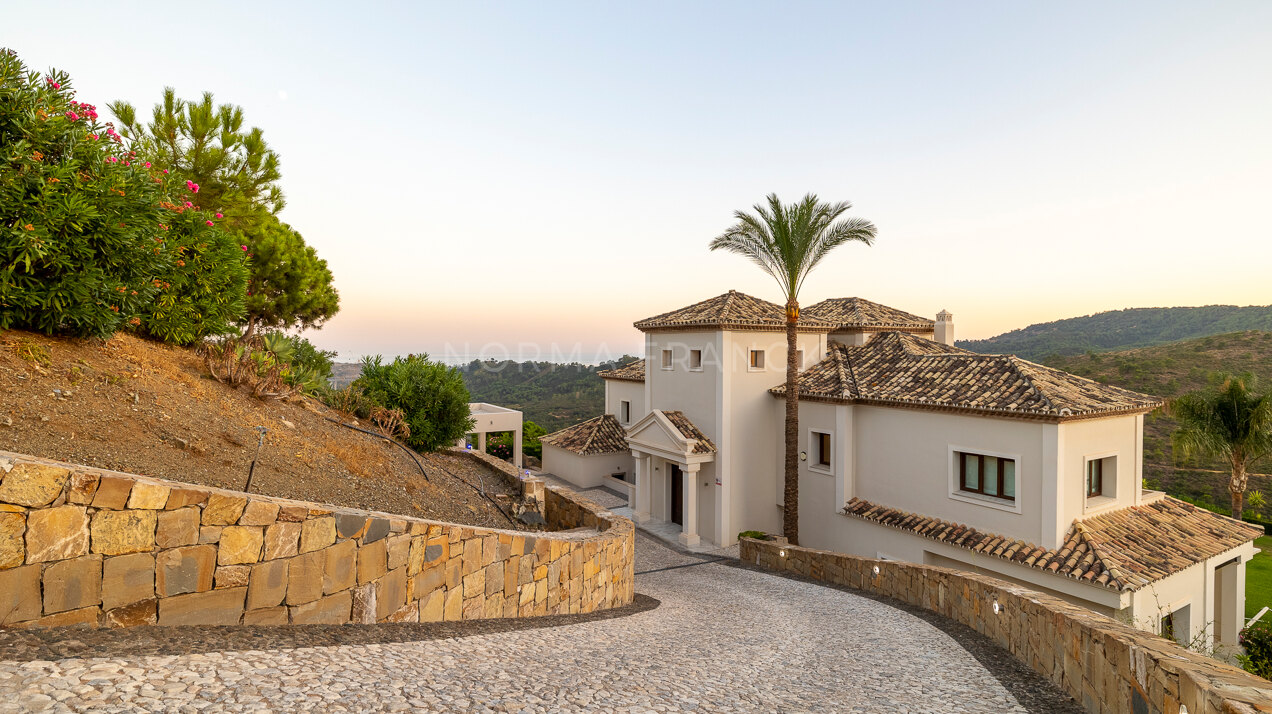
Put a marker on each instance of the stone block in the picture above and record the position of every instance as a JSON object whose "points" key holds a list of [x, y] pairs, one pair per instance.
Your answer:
{"points": [[19, 594], [330, 610], [112, 492], [127, 579], [428, 581], [489, 550], [85, 616], [177, 528], [73, 584], [183, 497], [33, 485], [123, 532], [372, 562], [82, 488], [399, 550], [511, 568], [282, 540], [475, 607], [144, 612], [409, 612], [259, 513], [494, 607], [12, 548], [240, 545], [223, 509], [148, 495], [340, 569], [391, 593], [431, 606], [475, 584], [454, 573], [304, 577], [377, 529], [185, 570], [233, 576], [364, 604], [317, 533], [266, 616], [351, 525], [214, 607], [267, 585], [472, 555], [210, 534], [453, 609], [494, 579], [293, 514]]}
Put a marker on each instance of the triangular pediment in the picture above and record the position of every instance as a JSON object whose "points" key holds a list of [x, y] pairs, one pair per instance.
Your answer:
{"points": [[655, 432]]}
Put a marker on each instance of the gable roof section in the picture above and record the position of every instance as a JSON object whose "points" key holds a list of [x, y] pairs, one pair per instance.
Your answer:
{"points": [[633, 371], [896, 368], [1124, 550], [730, 311], [598, 435], [691, 433], [861, 314]]}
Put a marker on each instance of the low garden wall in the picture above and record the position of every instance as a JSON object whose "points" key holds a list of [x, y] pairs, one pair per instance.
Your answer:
{"points": [[1104, 665], [86, 546]]}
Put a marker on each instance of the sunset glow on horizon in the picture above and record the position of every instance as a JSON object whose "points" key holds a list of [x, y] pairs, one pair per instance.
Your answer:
{"points": [[538, 177]]}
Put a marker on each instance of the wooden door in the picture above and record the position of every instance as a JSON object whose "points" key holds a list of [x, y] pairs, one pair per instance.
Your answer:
{"points": [[677, 495]]}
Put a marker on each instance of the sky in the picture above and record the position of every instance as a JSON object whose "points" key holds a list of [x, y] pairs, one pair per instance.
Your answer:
{"points": [[528, 179]]}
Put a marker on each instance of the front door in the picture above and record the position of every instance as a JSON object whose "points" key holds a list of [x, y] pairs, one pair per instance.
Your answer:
{"points": [[677, 495]]}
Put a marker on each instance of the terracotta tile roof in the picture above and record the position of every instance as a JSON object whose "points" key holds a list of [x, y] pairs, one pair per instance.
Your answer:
{"points": [[1125, 549], [902, 369], [598, 435], [730, 311], [862, 314], [701, 444], [633, 371]]}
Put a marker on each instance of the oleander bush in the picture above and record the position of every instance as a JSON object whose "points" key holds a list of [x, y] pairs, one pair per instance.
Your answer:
{"points": [[431, 395]]}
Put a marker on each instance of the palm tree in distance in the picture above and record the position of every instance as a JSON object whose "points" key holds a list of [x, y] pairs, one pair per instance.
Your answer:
{"points": [[1232, 422], [788, 241]]}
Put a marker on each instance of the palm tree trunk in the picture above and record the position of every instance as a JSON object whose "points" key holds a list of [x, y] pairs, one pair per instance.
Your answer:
{"points": [[1237, 486], [790, 497]]}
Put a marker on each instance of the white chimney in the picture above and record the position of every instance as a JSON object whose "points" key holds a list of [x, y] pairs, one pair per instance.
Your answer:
{"points": [[945, 328]]}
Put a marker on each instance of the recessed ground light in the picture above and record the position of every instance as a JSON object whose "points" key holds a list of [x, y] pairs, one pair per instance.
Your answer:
{"points": [[782, 553], [997, 608], [876, 570]]}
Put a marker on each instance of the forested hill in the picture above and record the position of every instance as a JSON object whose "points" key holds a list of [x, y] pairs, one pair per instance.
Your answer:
{"points": [[1123, 330], [550, 394]]}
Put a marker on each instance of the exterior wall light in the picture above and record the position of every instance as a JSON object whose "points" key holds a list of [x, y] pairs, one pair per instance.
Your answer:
{"points": [[997, 608], [782, 553], [876, 570], [803, 456]]}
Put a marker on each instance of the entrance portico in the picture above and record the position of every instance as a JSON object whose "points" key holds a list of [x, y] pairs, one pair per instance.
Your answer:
{"points": [[667, 468]]}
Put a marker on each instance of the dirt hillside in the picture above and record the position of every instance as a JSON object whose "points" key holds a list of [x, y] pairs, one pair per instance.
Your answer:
{"points": [[137, 406]]}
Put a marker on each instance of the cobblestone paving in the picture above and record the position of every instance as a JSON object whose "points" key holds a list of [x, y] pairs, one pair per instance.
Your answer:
{"points": [[725, 638]]}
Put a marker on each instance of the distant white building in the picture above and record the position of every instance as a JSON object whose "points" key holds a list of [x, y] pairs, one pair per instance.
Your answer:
{"points": [[910, 449]]}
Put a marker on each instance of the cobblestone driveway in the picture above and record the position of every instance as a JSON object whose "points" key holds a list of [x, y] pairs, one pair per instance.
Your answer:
{"points": [[724, 639]]}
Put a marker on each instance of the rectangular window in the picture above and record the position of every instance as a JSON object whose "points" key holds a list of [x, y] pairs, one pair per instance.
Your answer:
{"points": [[666, 359], [1095, 478], [799, 359], [625, 411], [986, 475], [695, 359], [757, 359], [823, 449]]}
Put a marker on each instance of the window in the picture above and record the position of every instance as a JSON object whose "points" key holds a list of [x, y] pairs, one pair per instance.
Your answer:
{"points": [[799, 359], [666, 359], [823, 448], [757, 359], [1100, 479], [986, 475], [624, 411], [1095, 478], [695, 359]]}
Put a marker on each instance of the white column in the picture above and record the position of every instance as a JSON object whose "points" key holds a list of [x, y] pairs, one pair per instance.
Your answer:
{"points": [[689, 531], [481, 441], [640, 509], [517, 458]]}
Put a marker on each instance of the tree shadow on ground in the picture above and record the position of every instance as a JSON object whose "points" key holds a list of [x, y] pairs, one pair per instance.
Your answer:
{"points": [[81, 642]]}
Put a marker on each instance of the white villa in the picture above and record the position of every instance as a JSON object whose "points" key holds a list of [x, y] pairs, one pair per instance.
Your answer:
{"points": [[910, 449]]}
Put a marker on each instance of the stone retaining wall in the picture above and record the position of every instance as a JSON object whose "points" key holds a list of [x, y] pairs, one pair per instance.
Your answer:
{"points": [[1104, 665], [86, 546]]}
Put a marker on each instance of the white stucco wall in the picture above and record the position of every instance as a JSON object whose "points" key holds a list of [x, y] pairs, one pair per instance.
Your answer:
{"points": [[585, 471], [618, 391]]}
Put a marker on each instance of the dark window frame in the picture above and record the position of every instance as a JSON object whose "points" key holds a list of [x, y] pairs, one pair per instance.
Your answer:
{"points": [[1000, 478], [625, 410], [1095, 486], [824, 449]]}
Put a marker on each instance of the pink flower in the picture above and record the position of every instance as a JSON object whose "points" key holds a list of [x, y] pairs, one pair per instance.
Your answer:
{"points": [[209, 223], [72, 116], [189, 205], [93, 137], [127, 163], [111, 159], [244, 250], [219, 216], [147, 164], [194, 187], [165, 171]]}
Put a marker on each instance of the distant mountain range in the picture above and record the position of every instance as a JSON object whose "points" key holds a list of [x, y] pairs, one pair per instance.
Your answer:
{"points": [[1122, 330]]}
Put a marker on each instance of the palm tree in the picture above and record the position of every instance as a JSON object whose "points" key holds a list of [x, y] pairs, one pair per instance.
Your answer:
{"points": [[1232, 422], [788, 241]]}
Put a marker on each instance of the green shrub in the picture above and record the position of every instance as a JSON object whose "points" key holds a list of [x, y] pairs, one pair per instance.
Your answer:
{"points": [[78, 217], [431, 395], [308, 367], [1257, 642], [757, 535]]}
